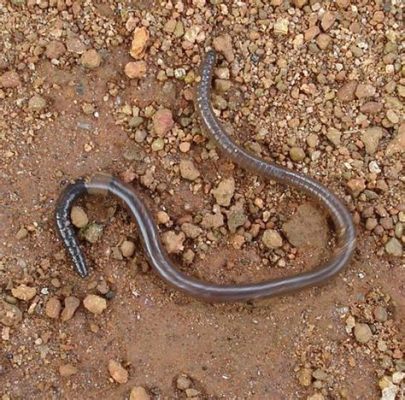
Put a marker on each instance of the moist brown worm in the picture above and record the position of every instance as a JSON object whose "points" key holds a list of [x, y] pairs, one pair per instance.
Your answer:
{"points": [[149, 234]]}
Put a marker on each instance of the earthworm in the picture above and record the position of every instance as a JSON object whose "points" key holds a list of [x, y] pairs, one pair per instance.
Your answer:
{"points": [[148, 231]]}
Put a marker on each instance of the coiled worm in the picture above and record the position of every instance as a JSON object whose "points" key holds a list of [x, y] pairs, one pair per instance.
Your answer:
{"points": [[148, 232]]}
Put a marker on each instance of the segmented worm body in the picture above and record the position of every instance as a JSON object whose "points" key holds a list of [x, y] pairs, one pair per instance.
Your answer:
{"points": [[155, 251]]}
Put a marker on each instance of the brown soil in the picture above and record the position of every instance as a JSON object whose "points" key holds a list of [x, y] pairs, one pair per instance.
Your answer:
{"points": [[229, 351]]}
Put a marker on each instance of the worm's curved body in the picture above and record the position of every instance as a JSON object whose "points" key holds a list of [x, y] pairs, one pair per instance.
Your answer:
{"points": [[149, 234]]}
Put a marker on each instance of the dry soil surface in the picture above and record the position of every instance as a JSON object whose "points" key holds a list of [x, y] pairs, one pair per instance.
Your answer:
{"points": [[89, 86]]}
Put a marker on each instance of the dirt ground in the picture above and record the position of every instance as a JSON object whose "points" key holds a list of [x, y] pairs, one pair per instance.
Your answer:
{"points": [[315, 86]]}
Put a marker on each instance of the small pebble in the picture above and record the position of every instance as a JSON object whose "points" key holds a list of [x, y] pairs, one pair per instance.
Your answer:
{"points": [[139, 393], [316, 396], [236, 218], [71, 305], [10, 315], [323, 41], [90, 59], [163, 217], [365, 90], [334, 136], [36, 103], [320, 375], [24, 292], [78, 217], [222, 85], [127, 248], [188, 170], [93, 232], [184, 147], [140, 135], [95, 304], [139, 43], [223, 44], [224, 192], [21, 234], [371, 138], [362, 333], [272, 239], [162, 121], [397, 144], [311, 33], [300, 3], [394, 247], [297, 154], [304, 376], [10, 79], [392, 116], [117, 372], [371, 107], [173, 241], [183, 382], [356, 186], [158, 144], [281, 26], [191, 231], [328, 19], [380, 314], [347, 91], [55, 49], [67, 370], [397, 377], [75, 45], [135, 70], [53, 308]]}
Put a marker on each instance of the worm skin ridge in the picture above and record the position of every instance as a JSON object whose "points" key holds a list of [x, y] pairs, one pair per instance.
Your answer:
{"points": [[148, 231]]}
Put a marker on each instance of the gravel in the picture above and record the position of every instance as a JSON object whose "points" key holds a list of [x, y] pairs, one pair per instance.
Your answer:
{"points": [[191, 231], [24, 292], [394, 247], [183, 382], [95, 304], [10, 315], [188, 170], [162, 122], [297, 154], [380, 314], [304, 376], [117, 372], [21, 234], [223, 44], [92, 232], [127, 248], [347, 92], [139, 42], [91, 59], [67, 370], [272, 239], [334, 136], [10, 79], [135, 70], [371, 138], [36, 103], [224, 192], [362, 333], [314, 86], [139, 393], [365, 90], [174, 241], [79, 217], [71, 305], [53, 308]]}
